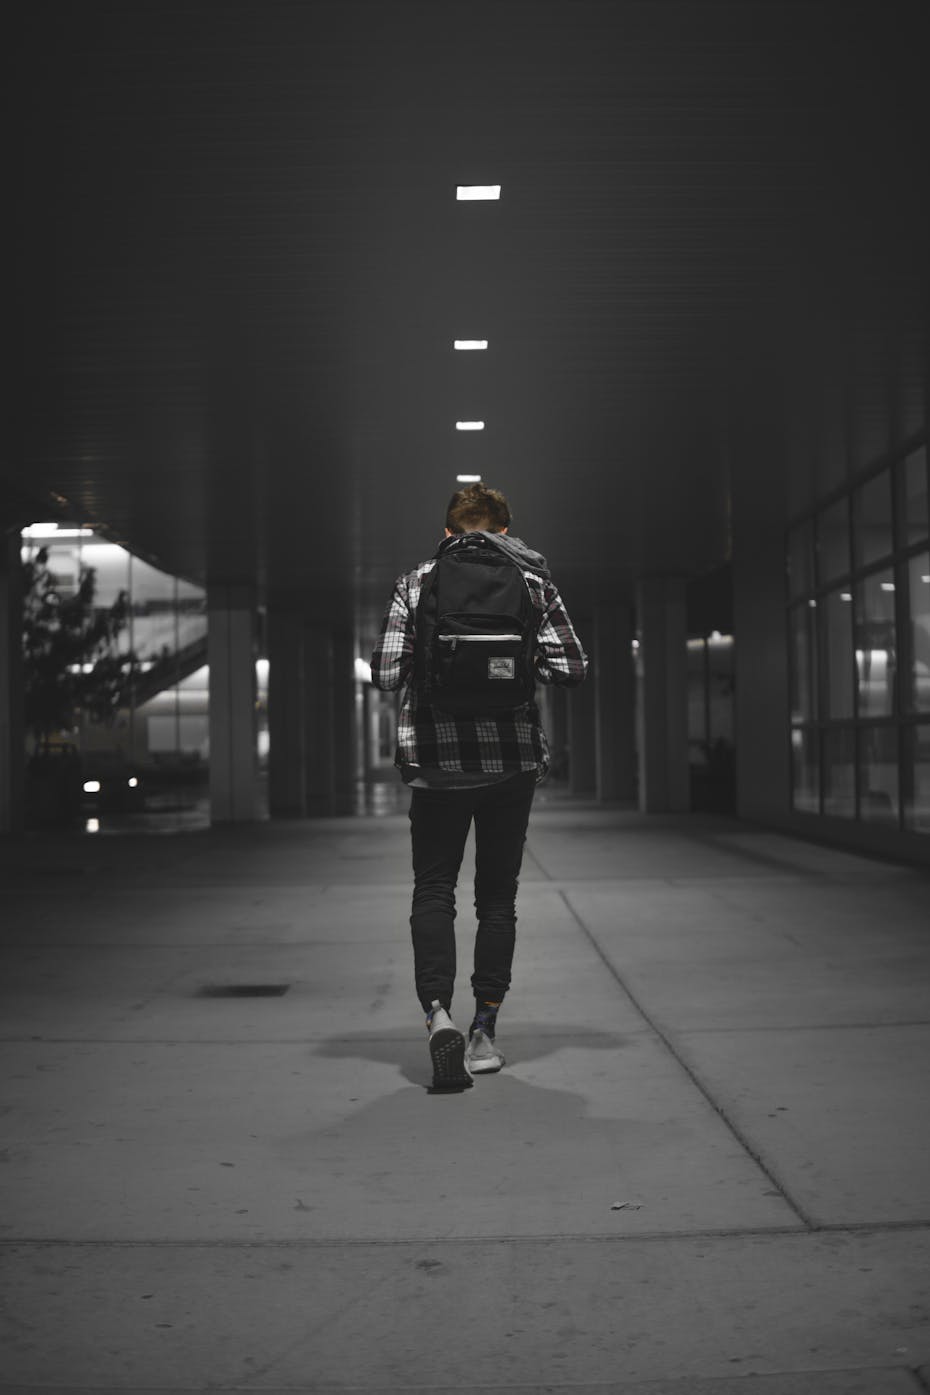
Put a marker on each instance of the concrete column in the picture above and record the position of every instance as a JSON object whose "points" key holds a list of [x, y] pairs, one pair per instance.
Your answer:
{"points": [[319, 756], [311, 718], [287, 733], [231, 656], [662, 695], [12, 754], [615, 735], [330, 750], [342, 742], [763, 770]]}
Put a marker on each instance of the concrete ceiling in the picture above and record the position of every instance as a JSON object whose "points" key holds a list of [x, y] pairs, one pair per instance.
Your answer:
{"points": [[243, 267]]}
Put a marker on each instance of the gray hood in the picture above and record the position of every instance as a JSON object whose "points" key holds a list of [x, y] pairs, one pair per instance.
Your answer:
{"points": [[515, 548]]}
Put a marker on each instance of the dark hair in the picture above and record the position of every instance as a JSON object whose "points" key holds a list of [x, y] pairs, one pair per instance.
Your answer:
{"points": [[477, 508]]}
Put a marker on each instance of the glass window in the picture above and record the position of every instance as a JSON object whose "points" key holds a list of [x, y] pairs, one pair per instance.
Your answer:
{"points": [[805, 768], [872, 520], [803, 628], [833, 542], [915, 524], [878, 774], [839, 772], [64, 563], [836, 633], [154, 611], [110, 564], [876, 650], [918, 686], [917, 778], [801, 559], [191, 612]]}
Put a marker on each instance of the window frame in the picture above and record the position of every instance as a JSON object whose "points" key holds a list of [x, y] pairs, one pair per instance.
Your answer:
{"points": [[818, 728]]}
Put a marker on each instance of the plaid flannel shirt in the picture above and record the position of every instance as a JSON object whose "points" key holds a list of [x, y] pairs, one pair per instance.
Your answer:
{"points": [[501, 745]]}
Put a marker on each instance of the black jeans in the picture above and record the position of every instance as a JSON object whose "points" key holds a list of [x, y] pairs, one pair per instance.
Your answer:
{"points": [[439, 824]]}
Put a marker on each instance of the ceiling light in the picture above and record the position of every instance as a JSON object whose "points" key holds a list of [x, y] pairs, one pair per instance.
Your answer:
{"points": [[477, 191], [469, 343], [469, 426], [52, 530], [925, 578], [887, 585], [845, 596], [468, 479]]}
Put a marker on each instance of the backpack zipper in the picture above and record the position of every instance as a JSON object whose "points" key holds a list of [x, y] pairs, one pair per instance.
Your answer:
{"points": [[455, 640]]}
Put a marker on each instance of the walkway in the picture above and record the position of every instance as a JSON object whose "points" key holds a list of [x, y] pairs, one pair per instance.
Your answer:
{"points": [[706, 1161]]}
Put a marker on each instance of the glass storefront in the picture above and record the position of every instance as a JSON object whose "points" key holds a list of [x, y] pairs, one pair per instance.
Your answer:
{"points": [[914, 504], [835, 620], [879, 799], [805, 769], [832, 527], [917, 690], [839, 765], [916, 769], [803, 665], [165, 718], [858, 594], [876, 644]]}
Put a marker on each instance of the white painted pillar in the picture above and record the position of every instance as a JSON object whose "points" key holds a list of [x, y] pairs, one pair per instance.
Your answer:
{"points": [[231, 656], [662, 695]]}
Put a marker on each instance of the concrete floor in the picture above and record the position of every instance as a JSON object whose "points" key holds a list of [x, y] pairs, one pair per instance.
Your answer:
{"points": [[704, 1170]]}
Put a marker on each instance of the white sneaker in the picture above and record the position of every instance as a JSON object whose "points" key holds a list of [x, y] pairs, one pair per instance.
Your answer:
{"points": [[447, 1049], [482, 1056]]}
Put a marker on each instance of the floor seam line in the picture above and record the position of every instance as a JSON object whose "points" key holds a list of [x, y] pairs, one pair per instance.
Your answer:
{"points": [[797, 1232], [636, 1386], [798, 1210]]}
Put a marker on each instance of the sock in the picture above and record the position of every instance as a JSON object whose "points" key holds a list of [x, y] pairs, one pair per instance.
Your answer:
{"points": [[485, 1018]]}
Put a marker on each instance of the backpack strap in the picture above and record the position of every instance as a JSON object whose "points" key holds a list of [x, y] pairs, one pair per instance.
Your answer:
{"points": [[422, 623]]}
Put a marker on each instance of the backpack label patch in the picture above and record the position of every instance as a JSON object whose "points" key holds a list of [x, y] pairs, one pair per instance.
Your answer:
{"points": [[501, 668]]}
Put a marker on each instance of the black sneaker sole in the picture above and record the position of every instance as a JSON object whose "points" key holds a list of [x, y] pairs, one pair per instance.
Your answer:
{"points": [[447, 1049]]}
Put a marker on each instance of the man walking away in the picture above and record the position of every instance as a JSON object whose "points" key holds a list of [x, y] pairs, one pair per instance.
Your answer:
{"points": [[467, 634]]}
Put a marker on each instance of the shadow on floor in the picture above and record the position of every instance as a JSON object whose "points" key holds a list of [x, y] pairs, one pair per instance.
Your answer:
{"points": [[401, 1048]]}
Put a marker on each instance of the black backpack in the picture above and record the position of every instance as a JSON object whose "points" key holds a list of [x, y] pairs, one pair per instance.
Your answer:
{"points": [[476, 633]]}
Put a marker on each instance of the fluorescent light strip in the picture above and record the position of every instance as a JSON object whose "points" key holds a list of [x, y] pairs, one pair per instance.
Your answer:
{"points": [[465, 192], [52, 530], [469, 343], [469, 426], [468, 479]]}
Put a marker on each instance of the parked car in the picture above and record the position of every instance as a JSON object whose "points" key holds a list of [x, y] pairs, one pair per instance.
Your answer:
{"points": [[111, 783]]}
